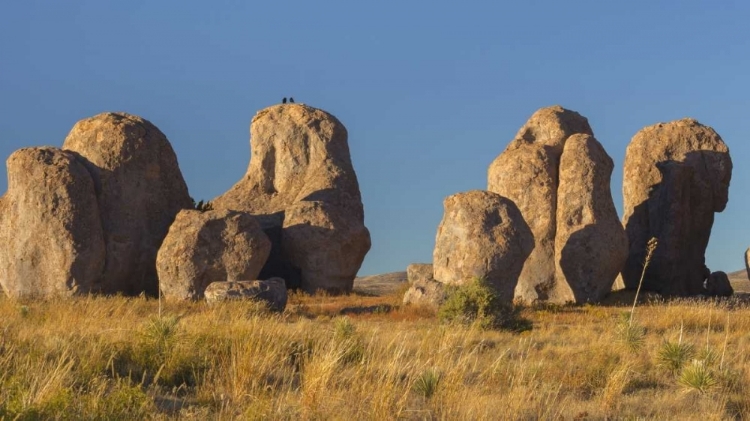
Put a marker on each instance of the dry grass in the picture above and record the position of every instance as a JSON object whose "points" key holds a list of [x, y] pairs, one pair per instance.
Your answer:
{"points": [[356, 357]]}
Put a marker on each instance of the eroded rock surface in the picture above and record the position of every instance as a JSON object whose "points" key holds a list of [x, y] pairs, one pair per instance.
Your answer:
{"points": [[676, 176], [563, 194], [272, 292], [301, 184], [139, 190], [206, 247], [482, 235], [50, 228]]}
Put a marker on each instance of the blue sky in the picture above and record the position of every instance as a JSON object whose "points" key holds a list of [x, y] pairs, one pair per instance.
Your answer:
{"points": [[430, 91]]}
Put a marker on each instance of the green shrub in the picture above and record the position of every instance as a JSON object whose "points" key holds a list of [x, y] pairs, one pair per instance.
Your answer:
{"points": [[673, 356], [697, 376], [427, 383], [477, 302]]}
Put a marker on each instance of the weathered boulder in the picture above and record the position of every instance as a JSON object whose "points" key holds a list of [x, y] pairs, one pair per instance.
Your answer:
{"points": [[563, 193], [676, 175], [482, 235], [590, 243], [139, 190], [747, 262], [424, 289], [206, 247], [718, 285], [419, 271], [272, 292], [50, 228], [302, 185], [427, 292]]}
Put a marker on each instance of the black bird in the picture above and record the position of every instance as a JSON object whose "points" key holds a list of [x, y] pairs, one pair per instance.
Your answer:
{"points": [[283, 101], [291, 100]]}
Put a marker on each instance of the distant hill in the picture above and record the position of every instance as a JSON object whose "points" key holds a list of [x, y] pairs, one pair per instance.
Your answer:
{"points": [[739, 281], [382, 284]]}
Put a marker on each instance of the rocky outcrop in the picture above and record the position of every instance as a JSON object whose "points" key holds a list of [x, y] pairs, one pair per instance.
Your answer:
{"points": [[747, 262], [590, 243], [272, 292], [301, 184], [542, 176], [718, 285], [482, 235], [50, 226], [139, 190], [419, 271], [206, 247], [424, 289], [676, 176]]}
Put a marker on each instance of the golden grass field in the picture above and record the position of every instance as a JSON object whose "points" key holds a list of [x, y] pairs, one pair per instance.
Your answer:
{"points": [[366, 358]]}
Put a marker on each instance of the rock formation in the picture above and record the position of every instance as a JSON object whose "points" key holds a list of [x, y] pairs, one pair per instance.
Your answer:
{"points": [[272, 292], [50, 226], [139, 190], [211, 246], [482, 235], [590, 243], [301, 185], [572, 202], [747, 263], [676, 175], [424, 289], [718, 285]]}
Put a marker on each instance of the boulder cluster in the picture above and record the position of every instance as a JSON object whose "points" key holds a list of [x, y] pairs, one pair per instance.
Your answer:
{"points": [[546, 229], [109, 213]]}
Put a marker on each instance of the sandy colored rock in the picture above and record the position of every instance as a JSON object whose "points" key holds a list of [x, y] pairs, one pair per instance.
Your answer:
{"points": [[50, 226], [271, 291], [419, 271], [590, 243], [206, 247], [425, 291], [676, 176], [139, 190], [302, 185], [558, 175], [527, 173], [482, 235]]}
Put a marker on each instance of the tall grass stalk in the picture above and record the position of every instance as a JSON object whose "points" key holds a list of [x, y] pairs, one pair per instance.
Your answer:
{"points": [[650, 248]]}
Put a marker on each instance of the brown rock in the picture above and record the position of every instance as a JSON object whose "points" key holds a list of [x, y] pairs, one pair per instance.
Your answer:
{"points": [[271, 291], [50, 227], [139, 189], [482, 235], [747, 262], [718, 285], [302, 185], [206, 247], [676, 175], [419, 272], [590, 243]]}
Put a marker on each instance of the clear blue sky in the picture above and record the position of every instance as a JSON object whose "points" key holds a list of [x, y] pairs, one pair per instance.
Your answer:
{"points": [[430, 91]]}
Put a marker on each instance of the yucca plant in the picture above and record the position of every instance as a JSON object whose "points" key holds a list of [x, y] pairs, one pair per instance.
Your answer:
{"points": [[650, 248], [674, 355], [697, 377], [427, 383]]}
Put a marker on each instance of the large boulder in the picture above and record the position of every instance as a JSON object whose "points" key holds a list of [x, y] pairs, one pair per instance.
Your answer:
{"points": [[50, 228], [676, 176], [482, 235], [271, 292], [563, 193], [301, 184], [747, 262], [718, 285], [419, 271], [206, 247], [590, 243], [139, 190]]}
